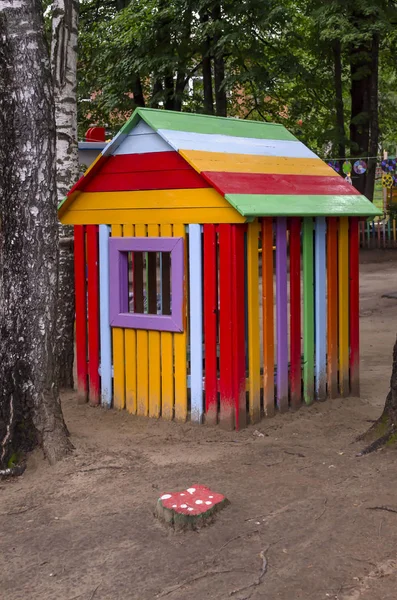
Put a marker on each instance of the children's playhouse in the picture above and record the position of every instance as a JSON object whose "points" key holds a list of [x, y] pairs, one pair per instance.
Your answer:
{"points": [[216, 271]]}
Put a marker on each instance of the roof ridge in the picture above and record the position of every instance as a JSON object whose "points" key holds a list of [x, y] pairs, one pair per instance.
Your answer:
{"points": [[194, 114]]}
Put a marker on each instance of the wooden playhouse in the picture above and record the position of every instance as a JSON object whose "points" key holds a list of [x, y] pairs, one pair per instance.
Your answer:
{"points": [[182, 310]]}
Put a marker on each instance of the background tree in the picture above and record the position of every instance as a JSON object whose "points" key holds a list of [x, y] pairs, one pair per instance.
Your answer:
{"points": [[64, 72], [30, 411]]}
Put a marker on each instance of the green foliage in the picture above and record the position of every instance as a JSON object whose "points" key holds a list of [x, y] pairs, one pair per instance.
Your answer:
{"points": [[278, 60]]}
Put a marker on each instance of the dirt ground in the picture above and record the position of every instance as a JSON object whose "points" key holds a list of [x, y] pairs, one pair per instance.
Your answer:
{"points": [[301, 523]]}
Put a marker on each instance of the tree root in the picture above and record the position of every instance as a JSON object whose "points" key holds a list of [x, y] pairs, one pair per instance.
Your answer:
{"points": [[12, 471], [383, 440]]}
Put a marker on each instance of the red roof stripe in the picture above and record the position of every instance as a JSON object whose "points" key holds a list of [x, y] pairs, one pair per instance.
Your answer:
{"points": [[150, 161], [260, 183], [156, 180]]}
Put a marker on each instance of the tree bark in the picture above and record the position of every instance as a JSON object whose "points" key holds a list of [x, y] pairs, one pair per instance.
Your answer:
{"points": [[207, 70], [339, 108], [219, 66], [30, 410], [373, 119], [64, 74], [384, 430]]}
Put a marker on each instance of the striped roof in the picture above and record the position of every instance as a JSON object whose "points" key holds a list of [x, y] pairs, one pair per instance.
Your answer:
{"points": [[260, 168]]}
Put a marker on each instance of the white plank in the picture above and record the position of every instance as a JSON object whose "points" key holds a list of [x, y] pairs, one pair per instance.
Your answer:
{"points": [[184, 140], [142, 144], [196, 323], [105, 332], [320, 276], [141, 128]]}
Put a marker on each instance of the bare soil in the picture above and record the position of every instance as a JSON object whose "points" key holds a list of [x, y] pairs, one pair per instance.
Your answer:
{"points": [[301, 523]]}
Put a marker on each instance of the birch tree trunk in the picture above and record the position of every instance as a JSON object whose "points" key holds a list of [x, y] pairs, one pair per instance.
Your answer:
{"points": [[30, 410], [64, 67]]}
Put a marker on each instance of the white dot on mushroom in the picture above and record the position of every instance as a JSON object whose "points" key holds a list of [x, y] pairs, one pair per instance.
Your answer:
{"points": [[199, 501], [208, 502], [165, 496]]}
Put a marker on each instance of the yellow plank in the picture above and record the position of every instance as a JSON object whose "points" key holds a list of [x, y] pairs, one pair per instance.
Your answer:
{"points": [[180, 342], [253, 322], [154, 356], [118, 352], [343, 281], [248, 163], [142, 216], [151, 199], [167, 359], [142, 356], [130, 353]]}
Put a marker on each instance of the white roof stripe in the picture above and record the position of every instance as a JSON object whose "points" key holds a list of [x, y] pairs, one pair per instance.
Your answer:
{"points": [[183, 140]]}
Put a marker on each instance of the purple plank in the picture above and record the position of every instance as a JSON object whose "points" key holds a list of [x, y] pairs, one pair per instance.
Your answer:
{"points": [[118, 281], [282, 314]]}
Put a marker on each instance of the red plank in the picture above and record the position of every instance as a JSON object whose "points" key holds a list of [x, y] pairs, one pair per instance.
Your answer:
{"points": [[261, 183], [210, 323], [238, 321], [226, 383], [295, 312], [93, 313], [81, 311], [157, 180], [354, 333], [151, 161]]}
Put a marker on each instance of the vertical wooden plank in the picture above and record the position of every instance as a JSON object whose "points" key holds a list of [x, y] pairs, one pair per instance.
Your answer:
{"points": [[362, 234], [320, 308], [130, 350], [253, 322], [267, 316], [180, 349], [105, 330], [210, 323], [81, 312], [238, 325], [343, 279], [332, 307], [153, 336], [93, 314], [308, 311], [354, 324], [394, 232], [118, 351], [378, 231], [295, 312], [142, 342], [196, 323], [282, 314], [226, 414], [166, 339], [368, 234], [389, 232]]}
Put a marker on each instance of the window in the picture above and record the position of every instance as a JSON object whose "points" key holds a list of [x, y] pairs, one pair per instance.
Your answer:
{"points": [[146, 283]]}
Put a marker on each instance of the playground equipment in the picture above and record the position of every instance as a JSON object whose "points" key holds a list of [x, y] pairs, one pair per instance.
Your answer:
{"points": [[177, 314]]}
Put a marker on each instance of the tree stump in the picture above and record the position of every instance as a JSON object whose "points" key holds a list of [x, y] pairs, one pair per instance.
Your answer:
{"points": [[190, 509]]}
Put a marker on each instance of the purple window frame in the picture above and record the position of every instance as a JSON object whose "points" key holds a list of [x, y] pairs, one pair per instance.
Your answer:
{"points": [[118, 281]]}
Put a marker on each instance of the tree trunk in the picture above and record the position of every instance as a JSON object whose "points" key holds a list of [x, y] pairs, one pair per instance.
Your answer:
{"points": [[30, 410], [219, 66], [137, 90], [64, 68], [384, 430], [373, 119], [207, 70], [340, 117]]}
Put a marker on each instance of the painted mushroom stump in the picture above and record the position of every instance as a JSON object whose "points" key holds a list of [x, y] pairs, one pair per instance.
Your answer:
{"points": [[181, 310], [190, 509]]}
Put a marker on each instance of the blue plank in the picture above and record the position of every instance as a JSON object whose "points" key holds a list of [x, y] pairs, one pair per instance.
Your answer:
{"points": [[105, 332], [196, 322], [320, 278]]}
